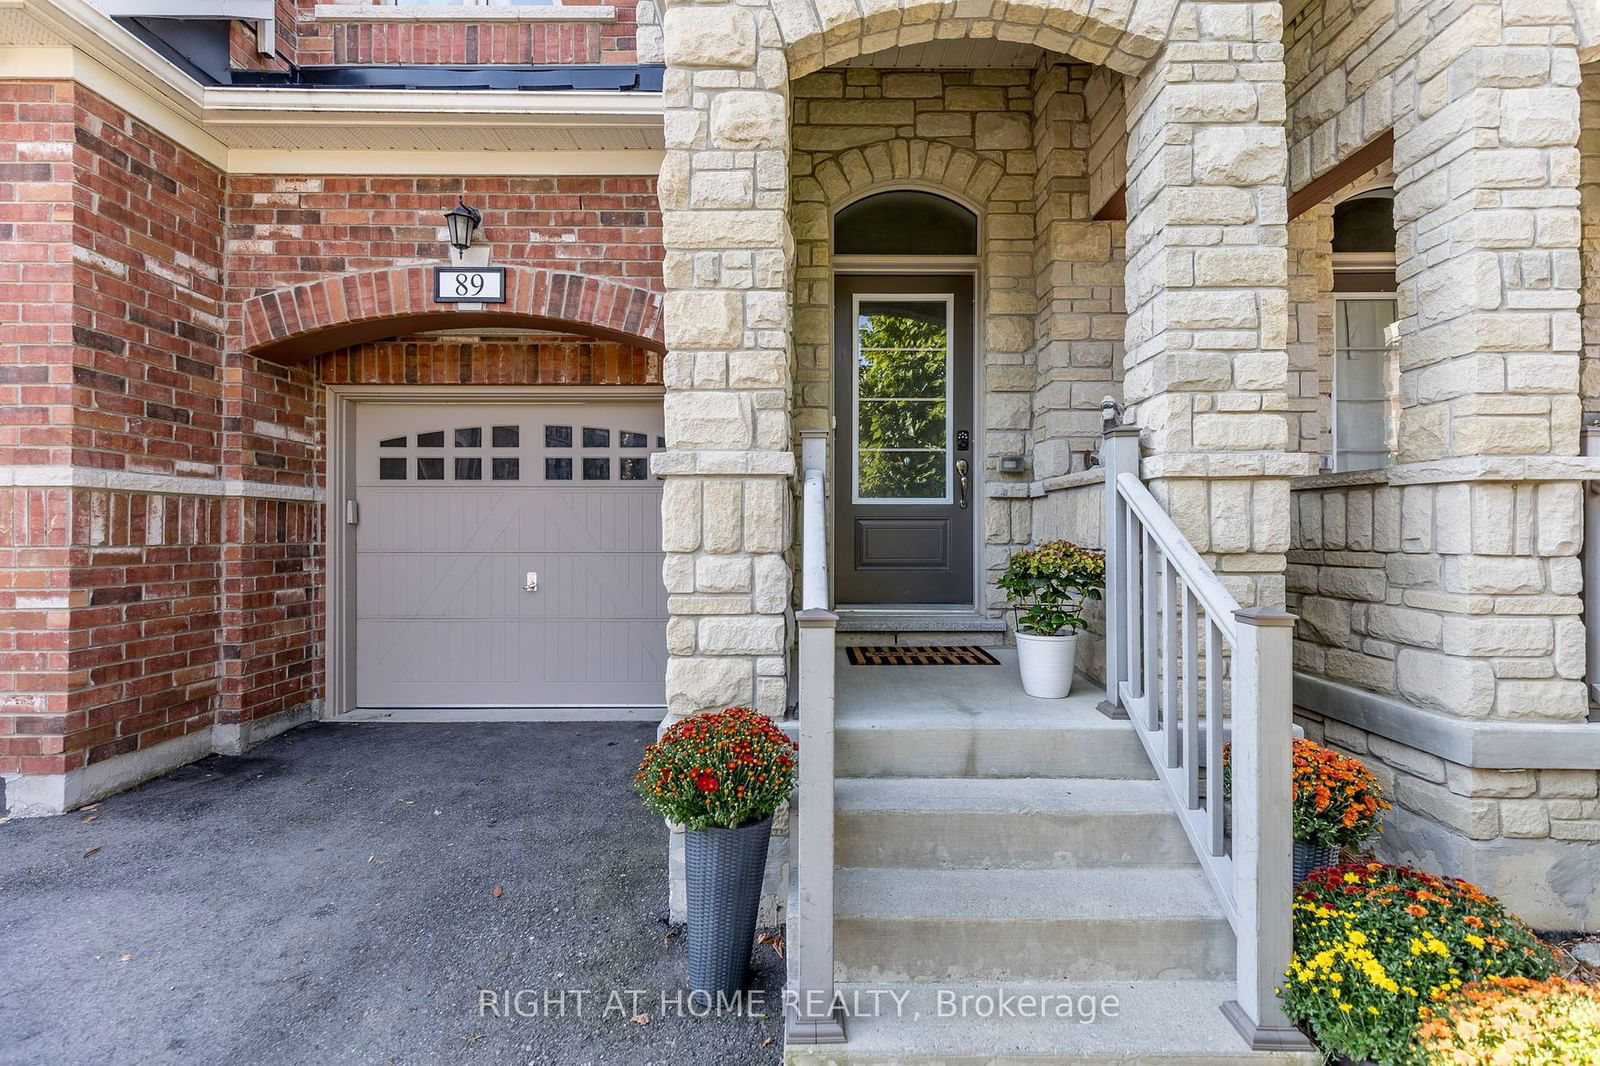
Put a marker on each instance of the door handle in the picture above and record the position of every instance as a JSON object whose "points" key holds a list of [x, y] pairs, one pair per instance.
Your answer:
{"points": [[961, 471], [532, 583]]}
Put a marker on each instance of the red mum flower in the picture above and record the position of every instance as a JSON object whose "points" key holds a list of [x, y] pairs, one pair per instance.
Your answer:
{"points": [[706, 782]]}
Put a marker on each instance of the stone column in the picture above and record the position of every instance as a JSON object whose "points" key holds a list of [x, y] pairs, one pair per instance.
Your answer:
{"points": [[726, 511], [727, 501], [1488, 265], [1206, 370], [1486, 207], [1478, 601]]}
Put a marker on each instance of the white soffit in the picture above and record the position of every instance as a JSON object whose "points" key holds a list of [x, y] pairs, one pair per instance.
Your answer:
{"points": [[244, 130]]}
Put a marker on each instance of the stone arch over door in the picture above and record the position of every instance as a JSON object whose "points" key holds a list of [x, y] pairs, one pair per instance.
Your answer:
{"points": [[291, 324], [833, 182], [1122, 37]]}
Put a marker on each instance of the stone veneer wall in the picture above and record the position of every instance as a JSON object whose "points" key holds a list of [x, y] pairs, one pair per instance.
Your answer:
{"points": [[1341, 59], [1010, 143], [1589, 193], [1013, 143], [1450, 583], [1463, 600], [1080, 267]]}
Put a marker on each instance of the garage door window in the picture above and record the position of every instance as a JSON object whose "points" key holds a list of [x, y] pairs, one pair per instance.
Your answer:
{"points": [[569, 453]]}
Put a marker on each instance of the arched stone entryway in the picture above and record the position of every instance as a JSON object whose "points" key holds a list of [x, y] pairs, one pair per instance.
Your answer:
{"points": [[1205, 291]]}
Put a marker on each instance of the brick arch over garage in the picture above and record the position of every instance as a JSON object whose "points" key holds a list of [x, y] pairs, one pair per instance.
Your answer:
{"points": [[1122, 36], [295, 323]]}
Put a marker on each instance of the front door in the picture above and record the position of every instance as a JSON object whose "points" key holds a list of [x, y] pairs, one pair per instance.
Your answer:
{"points": [[904, 471]]}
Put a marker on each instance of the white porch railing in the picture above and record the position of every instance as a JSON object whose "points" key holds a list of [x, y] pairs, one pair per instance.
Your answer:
{"points": [[1174, 634], [810, 1016]]}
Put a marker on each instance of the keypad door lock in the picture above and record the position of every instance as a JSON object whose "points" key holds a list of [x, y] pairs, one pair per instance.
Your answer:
{"points": [[963, 440]]}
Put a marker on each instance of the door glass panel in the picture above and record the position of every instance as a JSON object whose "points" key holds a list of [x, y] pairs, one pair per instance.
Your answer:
{"points": [[1364, 392], [902, 393]]}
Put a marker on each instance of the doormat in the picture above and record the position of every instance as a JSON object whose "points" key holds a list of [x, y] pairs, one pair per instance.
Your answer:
{"points": [[918, 655]]}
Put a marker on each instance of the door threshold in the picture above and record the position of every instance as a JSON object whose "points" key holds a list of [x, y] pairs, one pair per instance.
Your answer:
{"points": [[946, 622], [905, 608], [466, 715]]}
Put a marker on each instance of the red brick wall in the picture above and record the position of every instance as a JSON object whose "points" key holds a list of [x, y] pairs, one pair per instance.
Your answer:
{"points": [[117, 606], [128, 618], [37, 172], [36, 350], [273, 608], [145, 586], [148, 315], [112, 619], [289, 230], [244, 52], [34, 630], [304, 40]]}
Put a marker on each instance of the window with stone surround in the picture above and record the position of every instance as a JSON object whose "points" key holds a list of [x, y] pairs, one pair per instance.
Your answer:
{"points": [[1365, 373]]}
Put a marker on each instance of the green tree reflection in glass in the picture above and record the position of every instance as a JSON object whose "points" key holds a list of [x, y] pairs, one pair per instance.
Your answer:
{"points": [[902, 375]]}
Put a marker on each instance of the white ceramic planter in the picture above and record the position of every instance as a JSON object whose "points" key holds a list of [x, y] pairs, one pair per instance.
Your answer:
{"points": [[1046, 664]]}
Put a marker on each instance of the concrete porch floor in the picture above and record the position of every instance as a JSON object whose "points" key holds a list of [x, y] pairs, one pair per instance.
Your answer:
{"points": [[959, 690], [329, 897]]}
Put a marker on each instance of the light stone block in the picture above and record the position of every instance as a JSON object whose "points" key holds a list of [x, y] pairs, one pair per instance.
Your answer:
{"points": [[752, 635], [720, 36]]}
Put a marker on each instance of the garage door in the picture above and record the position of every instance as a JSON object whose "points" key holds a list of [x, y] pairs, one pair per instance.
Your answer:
{"points": [[508, 556]]}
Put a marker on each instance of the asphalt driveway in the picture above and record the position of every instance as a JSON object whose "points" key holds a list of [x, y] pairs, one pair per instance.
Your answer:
{"points": [[331, 897]]}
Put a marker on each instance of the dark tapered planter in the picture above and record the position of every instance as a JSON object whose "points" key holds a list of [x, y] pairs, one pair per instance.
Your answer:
{"points": [[724, 869], [1308, 857]]}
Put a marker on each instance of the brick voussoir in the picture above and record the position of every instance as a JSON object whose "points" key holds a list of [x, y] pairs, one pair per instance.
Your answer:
{"points": [[577, 300]]}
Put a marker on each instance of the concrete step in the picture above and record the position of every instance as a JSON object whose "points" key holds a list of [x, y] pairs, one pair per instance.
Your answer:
{"points": [[907, 628], [885, 731], [1124, 923], [1126, 1023], [1031, 823]]}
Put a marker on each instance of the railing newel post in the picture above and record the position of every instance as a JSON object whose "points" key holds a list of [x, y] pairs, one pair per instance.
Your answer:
{"points": [[811, 1016], [1119, 454], [1262, 772]]}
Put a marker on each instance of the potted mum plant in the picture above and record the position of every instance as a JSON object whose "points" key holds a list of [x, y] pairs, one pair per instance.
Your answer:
{"points": [[721, 776], [1048, 587], [1336, 804]]}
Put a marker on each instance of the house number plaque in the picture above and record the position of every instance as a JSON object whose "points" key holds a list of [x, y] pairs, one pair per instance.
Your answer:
{"points": [[478, 285]]}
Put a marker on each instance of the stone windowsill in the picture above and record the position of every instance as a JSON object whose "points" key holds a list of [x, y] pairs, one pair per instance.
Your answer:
{"points": [[1469, 468], [466, 13], [1342, 479], [1075, 480]]}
